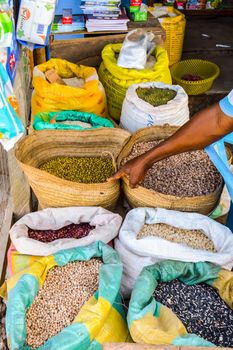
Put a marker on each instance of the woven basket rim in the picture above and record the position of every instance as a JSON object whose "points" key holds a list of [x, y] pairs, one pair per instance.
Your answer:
{"points": [[199, 82], [172, 197], [70, 136]]}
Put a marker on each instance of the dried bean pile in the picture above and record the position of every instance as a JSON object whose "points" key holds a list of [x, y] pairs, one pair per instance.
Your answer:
{"points": [[3, 338], [84, 170], [156, 96], [65, 291], [75, 123], [192, 77], [195, 239], [187, 174], [70, 231], [200, 309]]}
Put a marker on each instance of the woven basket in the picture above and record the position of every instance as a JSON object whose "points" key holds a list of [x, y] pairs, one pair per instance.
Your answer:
{"points": [[175, 30], [209, 71], [52, 191], [143, 197]]}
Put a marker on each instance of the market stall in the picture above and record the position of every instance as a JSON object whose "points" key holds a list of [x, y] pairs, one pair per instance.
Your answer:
{"points": [[87, 259]]}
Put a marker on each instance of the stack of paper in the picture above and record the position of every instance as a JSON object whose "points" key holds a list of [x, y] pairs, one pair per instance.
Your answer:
{"points": [[101, 8], [106, 22]]}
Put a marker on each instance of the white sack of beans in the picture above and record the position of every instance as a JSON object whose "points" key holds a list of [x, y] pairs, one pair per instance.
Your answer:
{"points": [[106, 227], [132, 266], [137, 113], [157, 248]]}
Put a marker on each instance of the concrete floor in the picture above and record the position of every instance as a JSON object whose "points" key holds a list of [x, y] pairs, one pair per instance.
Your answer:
{"points": [[219, 31]]}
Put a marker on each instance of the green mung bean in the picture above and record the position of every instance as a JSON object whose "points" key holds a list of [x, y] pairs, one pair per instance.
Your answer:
{"points": [[83, 170], [156, 96]]}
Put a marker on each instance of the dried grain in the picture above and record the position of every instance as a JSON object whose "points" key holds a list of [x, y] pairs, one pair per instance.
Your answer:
{"points": [[65, 291], [75, 123], [82, 170], [187, 174], [156, 96], [195, 239], [200, 309]]}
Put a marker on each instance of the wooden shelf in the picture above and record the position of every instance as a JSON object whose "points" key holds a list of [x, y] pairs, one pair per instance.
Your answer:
{"points": [[152, 22], [220, 12], [85, 32]]}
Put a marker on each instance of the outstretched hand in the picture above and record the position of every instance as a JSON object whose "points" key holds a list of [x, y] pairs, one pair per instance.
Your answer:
{"points": [[134, 170]]}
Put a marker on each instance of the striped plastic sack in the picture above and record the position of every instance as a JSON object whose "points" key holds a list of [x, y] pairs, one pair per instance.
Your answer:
{"points": [[153, 323], [11, 126], [100, 320], [17, 262]]}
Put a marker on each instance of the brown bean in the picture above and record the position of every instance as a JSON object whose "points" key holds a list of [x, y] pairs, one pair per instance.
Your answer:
{"points": [[187, 174], [65, 290]]}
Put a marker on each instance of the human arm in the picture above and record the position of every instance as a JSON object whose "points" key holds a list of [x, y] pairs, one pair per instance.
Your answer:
{"points": [[204, 128]]}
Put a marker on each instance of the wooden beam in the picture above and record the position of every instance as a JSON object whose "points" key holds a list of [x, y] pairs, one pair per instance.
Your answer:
{"points": [[132, 346], [39, 56], [88, 50], [213, 12], [4, 238]]}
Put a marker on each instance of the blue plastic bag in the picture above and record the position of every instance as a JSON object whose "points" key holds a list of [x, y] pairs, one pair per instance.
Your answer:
{"points": [[11, 127], [217, 154]]}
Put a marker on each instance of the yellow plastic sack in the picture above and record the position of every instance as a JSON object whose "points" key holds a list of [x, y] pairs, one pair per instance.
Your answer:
{"points": [[116, 80], [47, 97]]}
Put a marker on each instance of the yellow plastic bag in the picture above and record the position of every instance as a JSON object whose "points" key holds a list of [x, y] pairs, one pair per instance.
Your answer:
{"points": [[116, 80], [47, 97]]}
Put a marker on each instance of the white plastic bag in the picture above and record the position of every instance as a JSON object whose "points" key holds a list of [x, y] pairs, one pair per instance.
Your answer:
{"points": [[224, 203], [159, 248], [135, 49], [136, 254], [137, 113], [106, 224], [132, 266], [34, 21]]}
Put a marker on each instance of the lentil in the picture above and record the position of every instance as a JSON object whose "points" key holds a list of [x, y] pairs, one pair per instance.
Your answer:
{"points": [[187, 174], [195, 239], [83, 170], [156, 96], [65, 290], [70, 231], [3, 338], [200, 309]]}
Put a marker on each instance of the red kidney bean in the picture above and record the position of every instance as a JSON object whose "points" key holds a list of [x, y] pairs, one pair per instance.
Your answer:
{"points": [[191, 77], [71, 231]]}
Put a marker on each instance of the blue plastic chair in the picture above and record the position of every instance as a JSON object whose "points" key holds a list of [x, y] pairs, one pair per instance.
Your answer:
{"points": [[217, 154]]}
